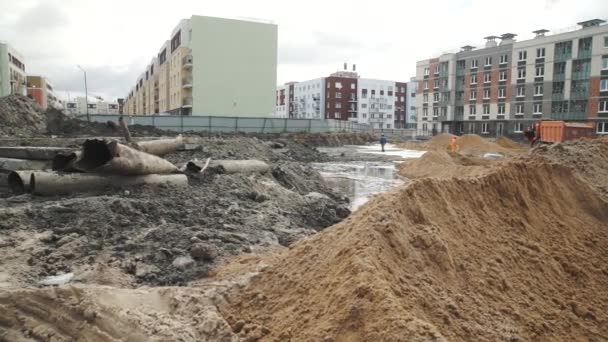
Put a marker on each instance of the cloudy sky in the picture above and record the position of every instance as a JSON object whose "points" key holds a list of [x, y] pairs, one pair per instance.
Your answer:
{"points": [[115, 39]]}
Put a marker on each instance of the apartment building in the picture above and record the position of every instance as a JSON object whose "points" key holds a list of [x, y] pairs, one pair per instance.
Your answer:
{"points": [[411, 109], [13, 79], [78, 106], [41, 90], [344, 95], [210, 66], [507, 85]]}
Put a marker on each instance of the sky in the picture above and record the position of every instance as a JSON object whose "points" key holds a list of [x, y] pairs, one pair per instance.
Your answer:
{"points": [[115, 39]]}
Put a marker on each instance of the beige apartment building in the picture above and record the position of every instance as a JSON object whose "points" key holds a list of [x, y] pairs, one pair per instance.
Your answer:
{"points": [[210, 66], [13, 79]]}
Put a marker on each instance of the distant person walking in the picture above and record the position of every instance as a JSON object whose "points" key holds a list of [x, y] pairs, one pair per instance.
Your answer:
{"points": [[383, 141], [454, 144]]}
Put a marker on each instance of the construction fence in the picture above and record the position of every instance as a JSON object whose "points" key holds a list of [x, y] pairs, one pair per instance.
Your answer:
{"points": [[223, 124]]}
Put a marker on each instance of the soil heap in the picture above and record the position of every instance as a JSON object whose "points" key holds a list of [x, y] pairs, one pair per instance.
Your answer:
{"points": [[515, 254], [443, 164], [468, 144], [20, 116]]}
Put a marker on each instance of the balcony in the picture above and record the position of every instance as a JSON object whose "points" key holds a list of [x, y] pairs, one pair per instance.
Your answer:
{"points": [[579, 95], [563, 56], [187, 61], [557, 97], [187, 102], [580, 75], [443, 73], [583, 54], [460, 72], [187, 82]]}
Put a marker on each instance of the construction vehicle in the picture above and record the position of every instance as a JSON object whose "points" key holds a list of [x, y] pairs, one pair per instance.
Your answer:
{"points": [[549, 132]]}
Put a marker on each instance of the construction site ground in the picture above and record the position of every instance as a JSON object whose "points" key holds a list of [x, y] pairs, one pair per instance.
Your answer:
{"points": [[463, 248]]}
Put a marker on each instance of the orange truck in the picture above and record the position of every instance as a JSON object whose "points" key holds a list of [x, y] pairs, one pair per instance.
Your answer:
{"points": [[560, 131]]}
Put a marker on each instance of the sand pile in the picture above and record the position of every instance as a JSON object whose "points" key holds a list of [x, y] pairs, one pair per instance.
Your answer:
{"points": [[469, 144], [443, 164], [508, 143], [20, 115], [517, 254], [587, 157]]}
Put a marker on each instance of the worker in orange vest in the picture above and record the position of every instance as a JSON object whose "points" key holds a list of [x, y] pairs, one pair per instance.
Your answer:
{"points": [[454, 144]]}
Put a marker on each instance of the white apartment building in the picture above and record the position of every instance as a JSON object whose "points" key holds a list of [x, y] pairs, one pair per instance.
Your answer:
{"points": [[210, 66], [13, 79], [376, 100], [309, 99], [78, 106], [411, 117]]}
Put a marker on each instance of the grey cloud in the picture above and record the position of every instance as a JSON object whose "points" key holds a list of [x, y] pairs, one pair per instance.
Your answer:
{"points": [[44, 16]]}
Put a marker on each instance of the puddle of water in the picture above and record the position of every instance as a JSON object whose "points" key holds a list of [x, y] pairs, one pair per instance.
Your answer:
{"points": [[359, 180]]}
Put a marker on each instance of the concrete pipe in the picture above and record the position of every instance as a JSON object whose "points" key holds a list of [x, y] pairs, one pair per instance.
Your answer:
{"points": [[231, 166], [99, 156], [12, 164], [66, 162], [19, 181], [30, 152], [161, 147], [51, 183]]}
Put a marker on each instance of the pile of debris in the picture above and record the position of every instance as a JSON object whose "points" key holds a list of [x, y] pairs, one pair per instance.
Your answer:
{"points": [[20, 116]]}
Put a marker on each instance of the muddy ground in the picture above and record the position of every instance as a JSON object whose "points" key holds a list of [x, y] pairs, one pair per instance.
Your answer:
{"points": [[163, 236]]}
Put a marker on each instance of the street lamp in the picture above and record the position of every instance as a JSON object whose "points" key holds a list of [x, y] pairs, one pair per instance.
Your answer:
{"points": [[86, 94]]}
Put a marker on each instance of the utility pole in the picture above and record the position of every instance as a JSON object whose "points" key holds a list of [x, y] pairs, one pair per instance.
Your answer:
{"points": [[86, 93]]}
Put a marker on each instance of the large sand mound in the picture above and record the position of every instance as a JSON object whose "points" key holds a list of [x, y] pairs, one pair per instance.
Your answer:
{"points": [[469, 144], [517, 254], [443, 164]]}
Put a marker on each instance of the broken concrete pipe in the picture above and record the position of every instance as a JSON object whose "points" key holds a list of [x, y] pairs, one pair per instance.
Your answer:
{"points": [[12, 164], [51, 183], [66, 162], [161, 147], [230, 166], [32, 153], [19, 181], [110, 157]]}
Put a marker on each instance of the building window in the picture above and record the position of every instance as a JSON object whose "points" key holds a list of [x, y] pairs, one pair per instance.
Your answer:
{"points": [[487, 77], [435, 97], [426, 84], [488, 61], [474, 79], [604, 85], [471, 128], [523, 55], [486, 93], [538, 108], [389, 107], [435, 84], [604, 62], [473, 95], [426, 71], [521, 91], [485, 128], [338, 85], [504, 59], [519, 108], [501, 108], [538, 90], [474, 64], [486, 109], [435, 112], [603, 106], [338, 105], [472, 110], [425, 112], [502, 76], [540, 53], [518, 127], [540, 71], [425, 127], [602, 128], [338, 95], [352, 86], [364, 105], [521, 73], [501, 93], [425, 98], [436, 69]]}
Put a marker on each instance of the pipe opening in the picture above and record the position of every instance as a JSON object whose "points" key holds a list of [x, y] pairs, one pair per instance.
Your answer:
{"points": [[15, 183], [95, 153], [61, 161]]}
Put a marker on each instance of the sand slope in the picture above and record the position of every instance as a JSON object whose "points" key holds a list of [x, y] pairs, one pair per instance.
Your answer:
{"points": [[517, 254]]}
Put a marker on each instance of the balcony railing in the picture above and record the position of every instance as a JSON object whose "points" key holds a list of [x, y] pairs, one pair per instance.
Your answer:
{"points": [[569, 116], [557, 97], [187, 82], [584, 53], [187, 61], [187, 102], [559, 77], [563, 56], [579, 95], [580, 75]]}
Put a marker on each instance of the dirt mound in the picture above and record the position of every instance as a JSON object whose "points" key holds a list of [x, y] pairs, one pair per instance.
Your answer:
{"points": [[20, 116], [587, 157], [469, 144], [473, 144], [508, 143], [334, 139], [515, 255], [443, 164]]}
